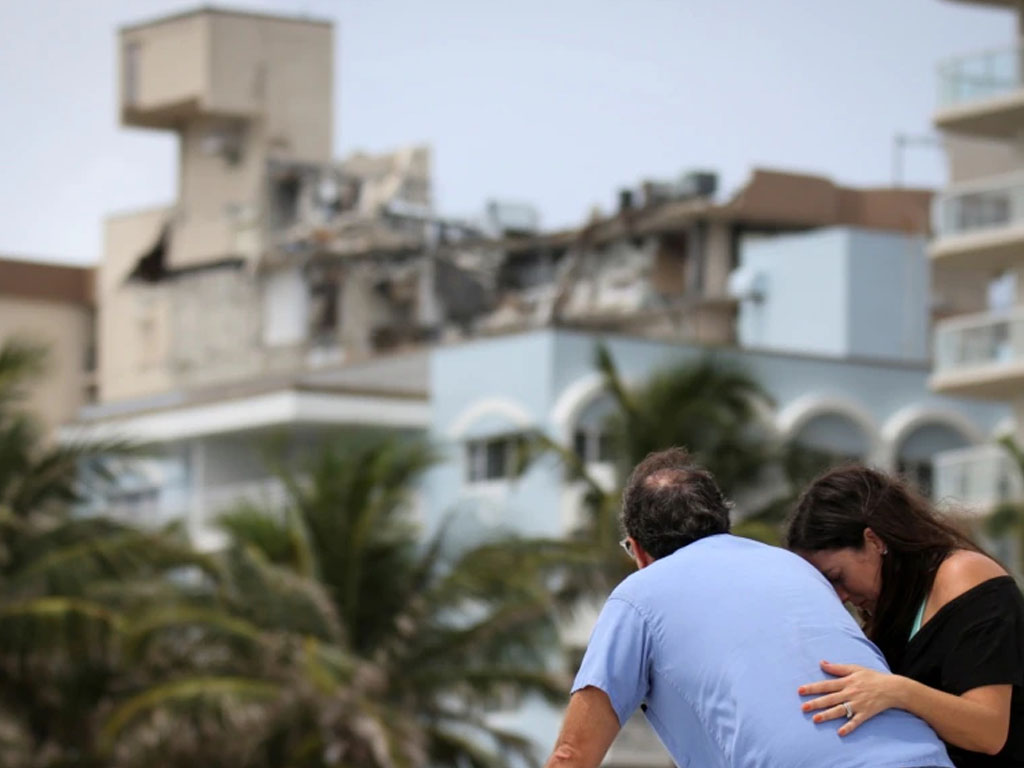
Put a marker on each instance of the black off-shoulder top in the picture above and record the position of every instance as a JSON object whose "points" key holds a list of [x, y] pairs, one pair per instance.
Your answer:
{"points": [[976, 639]]}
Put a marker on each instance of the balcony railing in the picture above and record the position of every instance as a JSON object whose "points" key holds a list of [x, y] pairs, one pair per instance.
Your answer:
{"points": [[979, 341], [996, 203], [976, 479], [979, 76], [268, 493]]}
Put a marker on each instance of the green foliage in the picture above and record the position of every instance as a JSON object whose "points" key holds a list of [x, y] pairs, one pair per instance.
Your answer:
{"points": [[446, 632], [713, 408], [1007, 519]]}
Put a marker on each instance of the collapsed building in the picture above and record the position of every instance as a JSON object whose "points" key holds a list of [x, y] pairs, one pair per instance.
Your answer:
{"points": [[276, 259]]}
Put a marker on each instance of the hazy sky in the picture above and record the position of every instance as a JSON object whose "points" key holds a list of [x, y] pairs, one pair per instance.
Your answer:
{"points": [[555, 102]]}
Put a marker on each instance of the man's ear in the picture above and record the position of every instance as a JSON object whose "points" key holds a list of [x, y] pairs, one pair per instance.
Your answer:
{"points": [[643, 558]]}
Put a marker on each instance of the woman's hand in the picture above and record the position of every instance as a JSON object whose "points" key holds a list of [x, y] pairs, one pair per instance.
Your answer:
{"points": [[867, 691]]}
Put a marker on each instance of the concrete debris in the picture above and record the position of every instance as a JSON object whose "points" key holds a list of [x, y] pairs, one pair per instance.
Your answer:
{"points": [[355, 262]]}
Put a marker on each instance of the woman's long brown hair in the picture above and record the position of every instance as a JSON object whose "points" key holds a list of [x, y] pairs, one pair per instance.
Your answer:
{"points": [[834, 512]]}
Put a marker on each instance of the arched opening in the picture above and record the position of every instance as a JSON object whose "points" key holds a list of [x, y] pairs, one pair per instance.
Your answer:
{"points": [[833, 438], [591, 439], [916, 451]]}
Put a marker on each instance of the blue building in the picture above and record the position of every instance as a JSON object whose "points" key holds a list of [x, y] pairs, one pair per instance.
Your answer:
{"points": [[833, 323]]}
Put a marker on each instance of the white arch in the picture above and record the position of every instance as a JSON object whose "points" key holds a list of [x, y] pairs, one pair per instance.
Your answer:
{"points": [[492, 405], [571, 403], [582, 392], [791, 419], [1006, 426], [766, 415], [902, 423]]}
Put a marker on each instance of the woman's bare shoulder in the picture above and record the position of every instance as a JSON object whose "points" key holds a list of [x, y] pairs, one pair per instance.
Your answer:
{"points": [[963, 570]]}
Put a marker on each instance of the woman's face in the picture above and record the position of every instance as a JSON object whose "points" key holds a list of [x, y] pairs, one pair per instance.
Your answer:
{"points": [[856, 574]]}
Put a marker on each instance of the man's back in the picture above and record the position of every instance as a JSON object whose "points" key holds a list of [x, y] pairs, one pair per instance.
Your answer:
{"points": [[716, 638]]}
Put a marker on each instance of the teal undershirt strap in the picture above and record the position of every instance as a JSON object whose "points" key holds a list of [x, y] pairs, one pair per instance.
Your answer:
{"points": [[918, 619]]}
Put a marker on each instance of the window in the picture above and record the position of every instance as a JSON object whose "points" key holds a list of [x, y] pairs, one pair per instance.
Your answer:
{"points": [[131, 74], [918, 472], [915, 455], [491, 459], [831, 439], [593, 445], [983, 209], [324, 309], [285, 194], [592, 438]]}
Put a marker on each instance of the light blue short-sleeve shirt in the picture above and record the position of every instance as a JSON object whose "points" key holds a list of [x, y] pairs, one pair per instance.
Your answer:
{"points": [[716, 638]]}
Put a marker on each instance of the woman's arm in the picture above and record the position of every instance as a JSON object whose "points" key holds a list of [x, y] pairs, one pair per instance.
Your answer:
{"points": [[977, 720]]}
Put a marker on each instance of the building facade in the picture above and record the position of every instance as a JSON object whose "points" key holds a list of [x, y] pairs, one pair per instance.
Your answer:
{"points": [[979, 230], [53, 306]]}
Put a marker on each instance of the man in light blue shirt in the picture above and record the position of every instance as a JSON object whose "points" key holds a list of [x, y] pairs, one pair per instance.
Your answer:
{"points": [[713, 636]]}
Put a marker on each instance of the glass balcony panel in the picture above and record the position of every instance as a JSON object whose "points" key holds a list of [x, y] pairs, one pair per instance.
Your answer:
{"points": [[976, 479], [980, 76], [999, 204], [976, 341]]}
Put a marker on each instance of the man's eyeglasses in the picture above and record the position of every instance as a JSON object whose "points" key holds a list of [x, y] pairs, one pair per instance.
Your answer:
{"points": [[627, 545]]}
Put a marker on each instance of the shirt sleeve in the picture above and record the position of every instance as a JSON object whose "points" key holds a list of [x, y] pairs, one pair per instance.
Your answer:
{"points": [[618, 658], [989, 648]]}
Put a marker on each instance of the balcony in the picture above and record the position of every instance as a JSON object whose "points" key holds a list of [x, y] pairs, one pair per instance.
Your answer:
{"points": [[974, 480], [156, 504], [980, 356], [982, 94], [980, 225]]}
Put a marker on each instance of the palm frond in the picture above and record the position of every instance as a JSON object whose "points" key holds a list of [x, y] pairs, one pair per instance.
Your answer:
{"points": [[185, 693]]}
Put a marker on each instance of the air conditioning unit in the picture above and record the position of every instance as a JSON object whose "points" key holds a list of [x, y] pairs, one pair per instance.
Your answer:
{"points": [[697, 184]]}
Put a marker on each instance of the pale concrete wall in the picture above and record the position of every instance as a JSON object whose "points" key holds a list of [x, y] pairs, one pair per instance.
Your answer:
{"points": [[285, 307], [256, 88], [66, 331], [362, 310], [717, 259], [171, 62], [133, 318], [888, 283], [220, 194], [972, 158], [279, 72], [957, 291], [805, 305], [198, 329], [216, 322], [282, 70]]}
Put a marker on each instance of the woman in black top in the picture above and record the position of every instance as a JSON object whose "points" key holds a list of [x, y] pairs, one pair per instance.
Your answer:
{"points": [[948, 618]]}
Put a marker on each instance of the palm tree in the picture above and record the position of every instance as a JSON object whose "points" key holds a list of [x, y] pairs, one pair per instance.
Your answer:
{"points": [[1007, 519], [442, 633], [325, 635], [248, 670], [710, 406], [96, 614], [59, 648]]}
